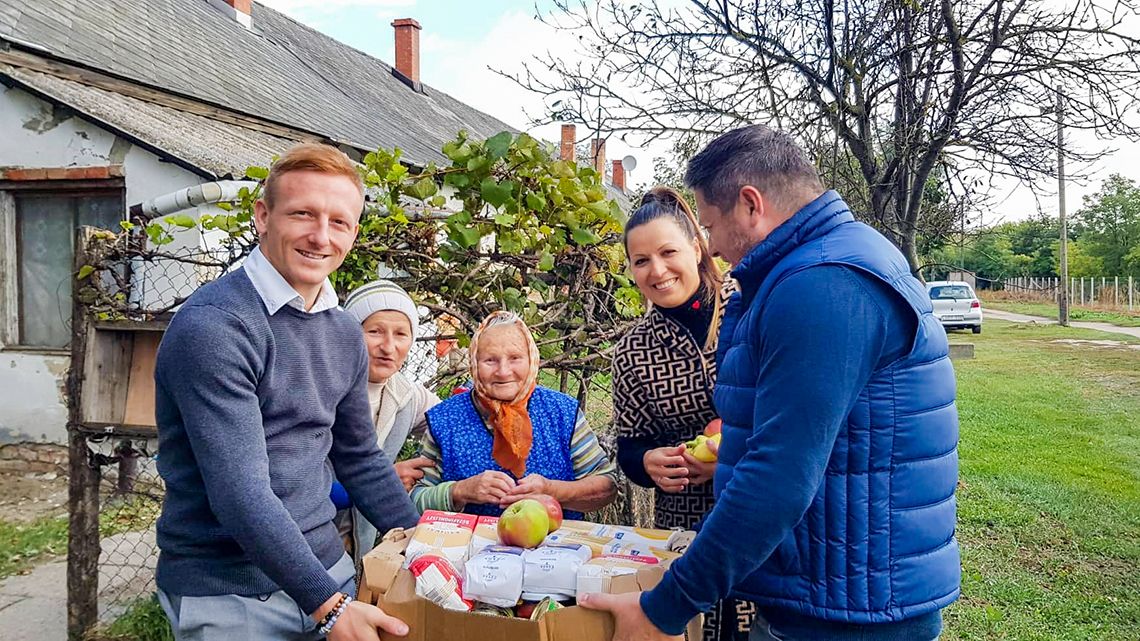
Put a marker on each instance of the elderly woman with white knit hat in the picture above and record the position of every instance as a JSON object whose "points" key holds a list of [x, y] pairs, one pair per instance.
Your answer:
{"points": [[388, 317]]}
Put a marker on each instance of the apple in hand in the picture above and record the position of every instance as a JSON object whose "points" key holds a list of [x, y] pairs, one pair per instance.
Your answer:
{"points": [[524, 524], [699, 448], [713, 428], [553, 510]]}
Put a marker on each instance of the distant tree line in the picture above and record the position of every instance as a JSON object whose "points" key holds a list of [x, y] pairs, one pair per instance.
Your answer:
{"points": [[1104, 240]]}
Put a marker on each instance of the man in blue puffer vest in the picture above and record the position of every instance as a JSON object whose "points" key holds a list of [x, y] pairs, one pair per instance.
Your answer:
{"points": [[835, 484]]}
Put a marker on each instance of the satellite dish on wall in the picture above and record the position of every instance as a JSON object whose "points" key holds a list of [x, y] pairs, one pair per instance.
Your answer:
{"points": [[629, 163]]}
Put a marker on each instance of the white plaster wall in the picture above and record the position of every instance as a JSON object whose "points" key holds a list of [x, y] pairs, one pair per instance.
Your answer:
{"points": [[35, 134], [32, 393]]}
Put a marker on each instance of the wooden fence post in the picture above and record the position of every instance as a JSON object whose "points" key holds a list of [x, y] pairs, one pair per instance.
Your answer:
{"points": [[83, 470]]}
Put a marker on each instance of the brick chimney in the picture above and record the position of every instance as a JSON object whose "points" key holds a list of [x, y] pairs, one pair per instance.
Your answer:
{"points": [[618, 176], [598, 154], [239, 10], [408, 48], [566, 149]]}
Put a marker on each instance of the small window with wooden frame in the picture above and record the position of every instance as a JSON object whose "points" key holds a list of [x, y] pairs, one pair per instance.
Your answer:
{"points": [[38, 219]]}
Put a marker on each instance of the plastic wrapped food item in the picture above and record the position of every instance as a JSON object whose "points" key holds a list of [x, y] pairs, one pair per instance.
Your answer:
{"points": [[486, 534], [617, 548], [445, 533], [552, 571], [438, 582], [495, 576], [565, 536], [586, 527], [643, 538]]}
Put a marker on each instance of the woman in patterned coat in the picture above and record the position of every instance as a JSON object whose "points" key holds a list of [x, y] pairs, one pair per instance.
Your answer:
{"points": [[508, 438], [664, 370]]}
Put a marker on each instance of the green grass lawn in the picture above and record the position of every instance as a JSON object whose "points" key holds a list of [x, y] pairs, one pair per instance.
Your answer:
{"points": [[23, 544], [1049, 310], [1049, 496]]}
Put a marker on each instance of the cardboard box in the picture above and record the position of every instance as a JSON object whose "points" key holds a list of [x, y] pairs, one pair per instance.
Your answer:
{"points": [[387, 584]]}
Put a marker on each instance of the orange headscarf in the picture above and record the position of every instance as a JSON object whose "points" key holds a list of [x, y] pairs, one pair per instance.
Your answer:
{"points": [[509, 420]]}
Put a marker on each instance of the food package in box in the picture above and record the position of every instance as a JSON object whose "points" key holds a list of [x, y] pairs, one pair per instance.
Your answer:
{"points": [[494, 575], [439, 582], [564, 536], [586, 527], [618, 548], [643, 538], [552, 571], [596, 574], [445, 533], [486, 533]]}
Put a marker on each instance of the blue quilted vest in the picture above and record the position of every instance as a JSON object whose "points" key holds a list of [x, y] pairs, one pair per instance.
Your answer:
{"points": [[877, 543], [465, 441]]}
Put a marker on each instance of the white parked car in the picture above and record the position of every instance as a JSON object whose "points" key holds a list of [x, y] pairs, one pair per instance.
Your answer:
{"points": [[955, 304]]}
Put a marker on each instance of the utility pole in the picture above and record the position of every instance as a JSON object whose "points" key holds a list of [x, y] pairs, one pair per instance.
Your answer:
{"points": [[1063, 298]]}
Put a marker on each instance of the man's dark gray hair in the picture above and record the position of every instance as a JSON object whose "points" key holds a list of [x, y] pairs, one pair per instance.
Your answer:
{"points": [[756, 155]]}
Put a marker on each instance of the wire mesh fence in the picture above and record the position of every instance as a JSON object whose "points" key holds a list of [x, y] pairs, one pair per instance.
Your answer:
{"points": [[130, 498], [126, 293]]}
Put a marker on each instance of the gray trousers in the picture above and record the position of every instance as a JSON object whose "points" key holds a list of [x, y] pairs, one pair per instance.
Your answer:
{"points": [[266, 616]]}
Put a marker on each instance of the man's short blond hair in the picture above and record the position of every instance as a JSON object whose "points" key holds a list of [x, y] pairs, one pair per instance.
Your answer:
{"points": [[311, 156]]}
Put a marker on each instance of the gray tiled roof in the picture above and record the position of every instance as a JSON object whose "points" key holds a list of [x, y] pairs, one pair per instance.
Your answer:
{"points": [[280, 70], [216, 146]]}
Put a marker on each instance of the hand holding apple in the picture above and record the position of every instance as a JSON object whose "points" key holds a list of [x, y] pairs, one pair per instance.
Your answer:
{"points": [[524, 524], [704, 448], [699, 471]]}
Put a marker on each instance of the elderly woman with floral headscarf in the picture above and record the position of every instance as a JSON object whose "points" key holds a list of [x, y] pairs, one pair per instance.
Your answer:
{"points": [[508, 438]]}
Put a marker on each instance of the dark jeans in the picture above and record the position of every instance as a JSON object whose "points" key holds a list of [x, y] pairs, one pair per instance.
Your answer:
{"points": [[763, 631]]}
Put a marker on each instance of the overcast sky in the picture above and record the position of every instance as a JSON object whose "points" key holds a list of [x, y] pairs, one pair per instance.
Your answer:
{"points": [[463, 39]]}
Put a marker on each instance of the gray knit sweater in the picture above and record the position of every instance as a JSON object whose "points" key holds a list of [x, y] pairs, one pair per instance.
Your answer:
{"points": [[251, 410]]}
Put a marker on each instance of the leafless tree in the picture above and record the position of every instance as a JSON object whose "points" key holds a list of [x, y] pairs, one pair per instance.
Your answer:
{"points": [[904, 104]]}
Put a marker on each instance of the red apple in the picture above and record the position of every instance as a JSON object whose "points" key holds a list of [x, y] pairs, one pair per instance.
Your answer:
{"points": [[524, 524], [713, 427], [553, 510]]}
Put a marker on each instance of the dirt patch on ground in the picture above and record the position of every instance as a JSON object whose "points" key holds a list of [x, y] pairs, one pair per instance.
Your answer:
{"points": [[26, 497], [1098, 343]]}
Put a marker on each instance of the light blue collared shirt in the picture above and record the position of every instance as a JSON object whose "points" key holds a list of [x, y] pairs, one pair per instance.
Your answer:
{"points": [[276, 292]]}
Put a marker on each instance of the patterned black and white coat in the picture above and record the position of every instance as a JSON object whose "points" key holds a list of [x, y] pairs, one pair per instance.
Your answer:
{"points": [[662, 389]]}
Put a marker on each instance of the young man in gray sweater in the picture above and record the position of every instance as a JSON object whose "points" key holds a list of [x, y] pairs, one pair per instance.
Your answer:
{"points": [[261, 396]]}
